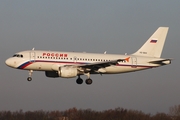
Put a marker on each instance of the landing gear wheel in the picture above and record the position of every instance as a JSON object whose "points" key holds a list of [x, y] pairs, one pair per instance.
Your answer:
{"points": [[88, 81], [30, 74], [79, 81], [29, 79]]}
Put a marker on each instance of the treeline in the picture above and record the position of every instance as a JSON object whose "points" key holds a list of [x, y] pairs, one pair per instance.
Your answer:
{"points": [[88, 114]]}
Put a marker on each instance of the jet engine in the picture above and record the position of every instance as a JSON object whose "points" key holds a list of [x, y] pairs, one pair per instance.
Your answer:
{"points": [[65, 72]]}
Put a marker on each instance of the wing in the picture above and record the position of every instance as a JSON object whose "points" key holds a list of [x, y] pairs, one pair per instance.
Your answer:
{"points": [[93, 67]]}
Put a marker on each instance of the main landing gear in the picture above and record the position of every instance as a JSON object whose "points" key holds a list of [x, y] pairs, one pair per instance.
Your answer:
{"points": [[80, 81], [30, 74], [88, 80]]}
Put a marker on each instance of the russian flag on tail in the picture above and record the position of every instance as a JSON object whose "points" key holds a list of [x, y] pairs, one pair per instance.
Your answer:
{"points": [[153, 41]]}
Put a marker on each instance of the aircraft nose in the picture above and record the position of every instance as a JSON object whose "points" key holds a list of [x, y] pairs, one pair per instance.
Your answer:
{"points": [[9, 62]]}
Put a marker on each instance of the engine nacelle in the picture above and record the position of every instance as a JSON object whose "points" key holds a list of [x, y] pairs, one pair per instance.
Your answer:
{"points": [[65, 72]]}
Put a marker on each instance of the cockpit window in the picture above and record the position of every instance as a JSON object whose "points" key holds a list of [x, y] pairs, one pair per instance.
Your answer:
{"points": [[18, 55]]}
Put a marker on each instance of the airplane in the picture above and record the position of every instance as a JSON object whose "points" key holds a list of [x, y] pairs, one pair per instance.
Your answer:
{"points": [[74, 64]]}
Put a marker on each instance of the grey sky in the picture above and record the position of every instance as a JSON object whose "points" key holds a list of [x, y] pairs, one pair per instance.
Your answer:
{"points": [[116, 26]]}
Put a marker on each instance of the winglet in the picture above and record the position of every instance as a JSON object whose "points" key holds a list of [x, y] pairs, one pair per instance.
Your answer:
{"points": [[127, 59], [124, 60]]}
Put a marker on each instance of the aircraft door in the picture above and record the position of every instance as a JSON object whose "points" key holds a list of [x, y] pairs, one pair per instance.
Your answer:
{"points": [[134, 62], [32, 56]]}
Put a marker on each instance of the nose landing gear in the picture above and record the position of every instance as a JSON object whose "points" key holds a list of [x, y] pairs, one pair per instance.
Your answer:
{"points": [[30, 74]]}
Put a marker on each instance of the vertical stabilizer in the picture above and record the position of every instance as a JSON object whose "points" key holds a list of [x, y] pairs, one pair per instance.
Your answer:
{"points": [[154, 45]]}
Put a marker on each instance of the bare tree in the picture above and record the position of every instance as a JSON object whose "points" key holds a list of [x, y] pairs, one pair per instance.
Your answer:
{"points": [[175, 110]]}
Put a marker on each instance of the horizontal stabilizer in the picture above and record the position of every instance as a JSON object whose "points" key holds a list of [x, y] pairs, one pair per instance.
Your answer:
{"points": [[161, 62]]}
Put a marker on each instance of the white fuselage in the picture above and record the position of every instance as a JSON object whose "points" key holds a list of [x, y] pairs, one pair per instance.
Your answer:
{"points": [[44, 61]]}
